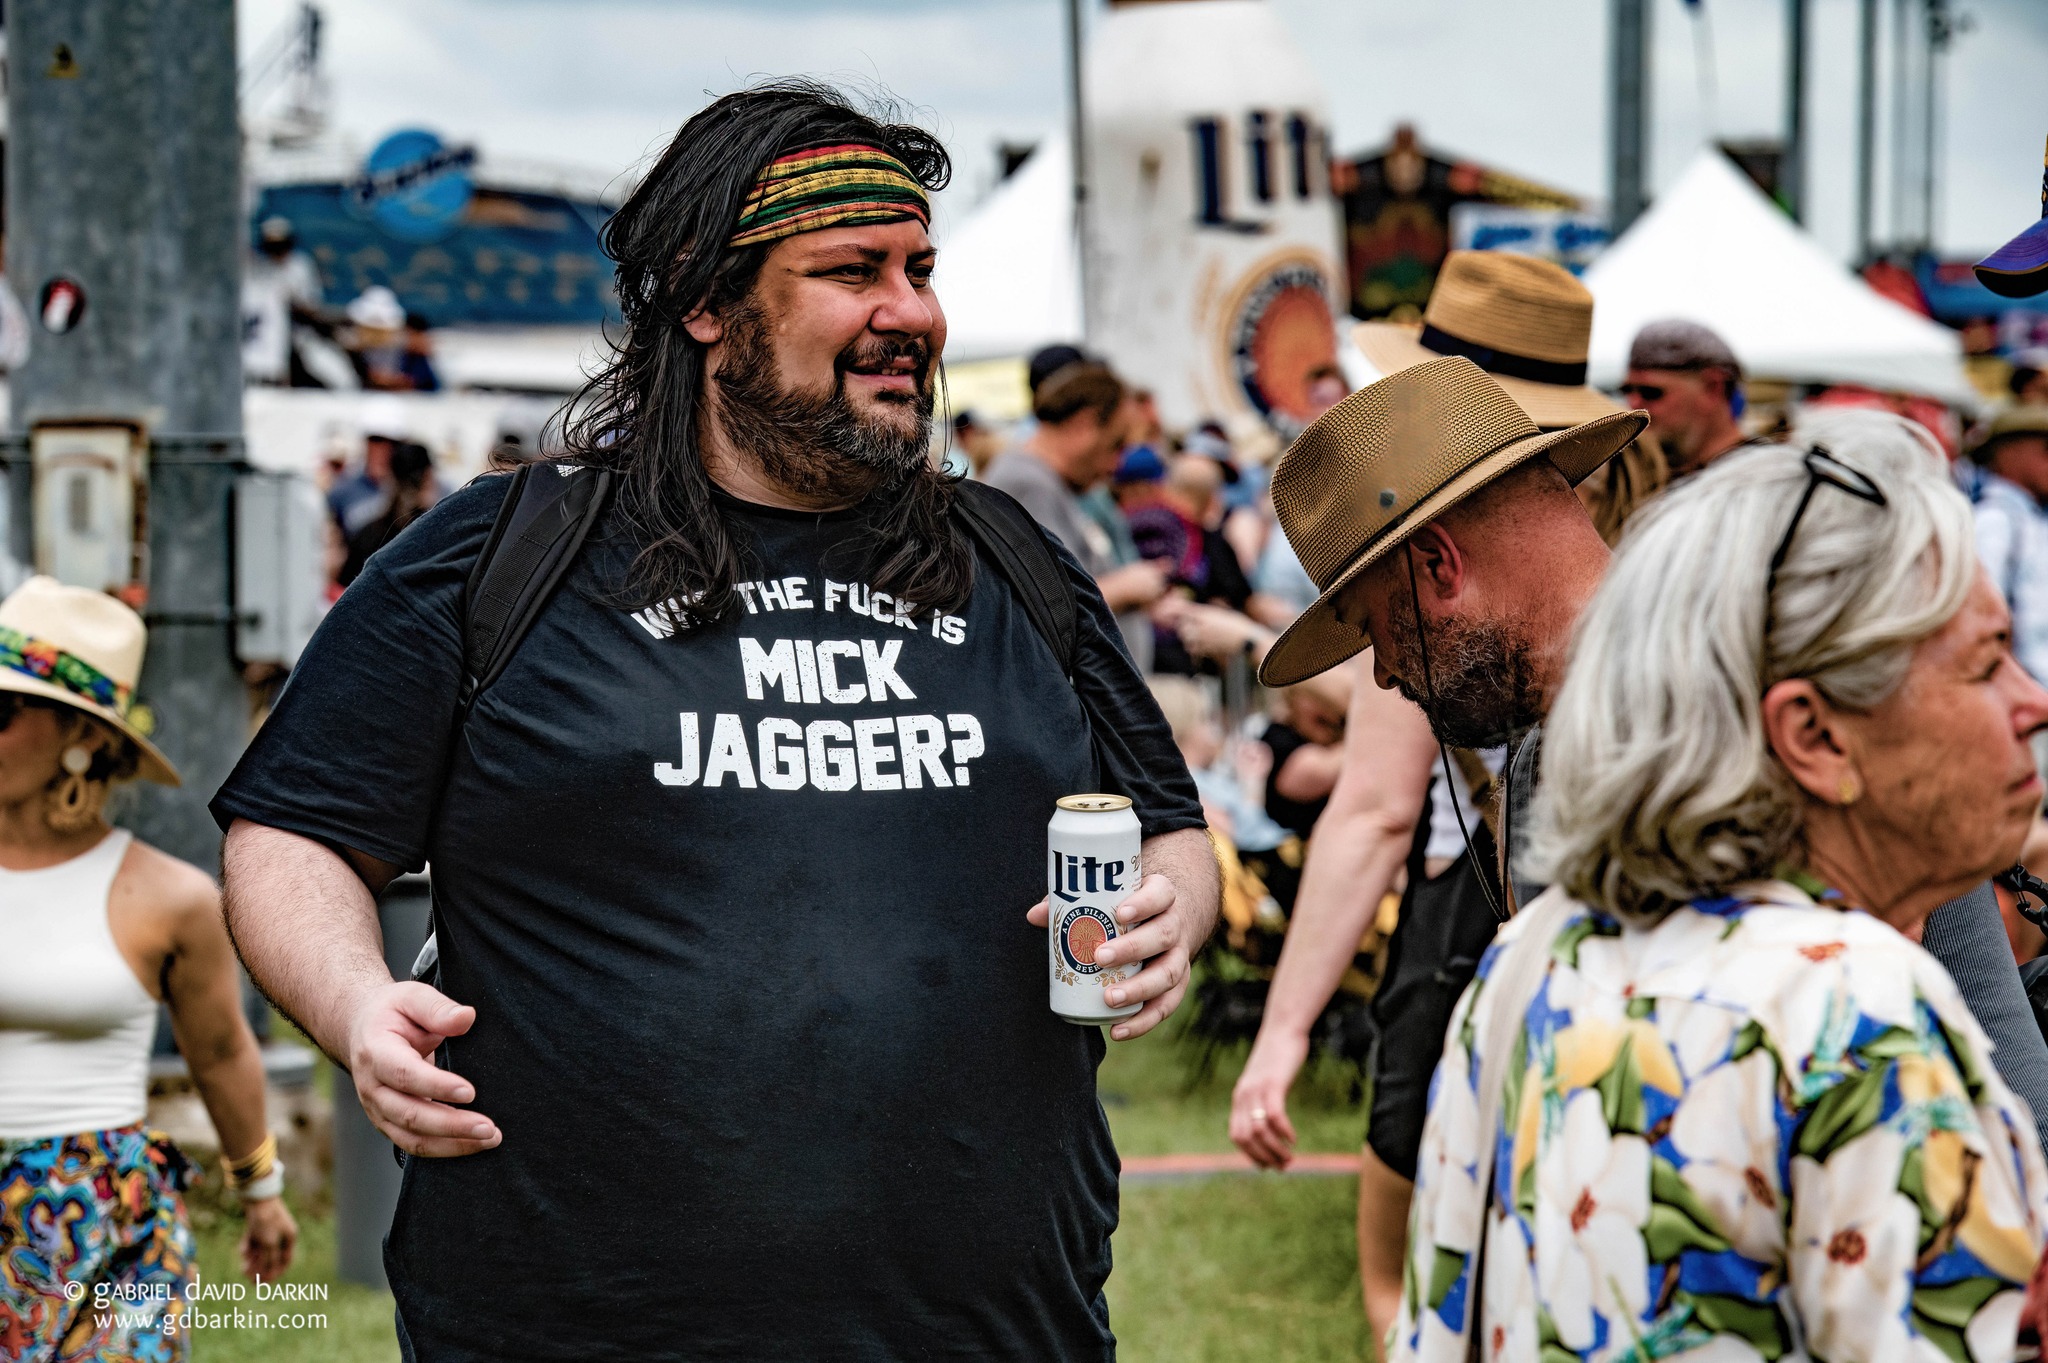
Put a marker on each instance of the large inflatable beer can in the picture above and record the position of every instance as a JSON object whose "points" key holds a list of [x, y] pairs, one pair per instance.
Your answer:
{"points": [[1093, 844]]}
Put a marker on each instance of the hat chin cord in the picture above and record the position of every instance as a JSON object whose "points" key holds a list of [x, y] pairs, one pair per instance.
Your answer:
{"points": [[1444, 753]]}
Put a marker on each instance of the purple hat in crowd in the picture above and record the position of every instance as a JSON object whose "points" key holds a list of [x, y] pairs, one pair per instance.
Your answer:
{"points": [[2019, 269]]}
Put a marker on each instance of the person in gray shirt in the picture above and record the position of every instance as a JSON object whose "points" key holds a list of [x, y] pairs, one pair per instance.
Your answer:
{"points": [[1082, 420]]}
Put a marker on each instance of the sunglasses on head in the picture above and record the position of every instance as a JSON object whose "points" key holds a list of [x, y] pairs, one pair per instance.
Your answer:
{"points": [[1821, 467]]}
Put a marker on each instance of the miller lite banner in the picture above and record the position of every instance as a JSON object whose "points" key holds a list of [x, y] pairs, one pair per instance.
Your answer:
{"points": [[1212, 232]]}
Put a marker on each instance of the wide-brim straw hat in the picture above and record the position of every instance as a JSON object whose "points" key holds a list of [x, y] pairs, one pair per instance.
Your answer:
{"points": [[80, 648], [1525, 321], [1389, 459]]}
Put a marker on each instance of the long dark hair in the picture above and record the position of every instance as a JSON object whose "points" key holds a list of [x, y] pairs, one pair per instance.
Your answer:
{"points": [[638, 416]]}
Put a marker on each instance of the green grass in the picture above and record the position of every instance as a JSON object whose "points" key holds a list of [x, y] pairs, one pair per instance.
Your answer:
{"points": [[1234, 1269], [1157, 1107], [358, 1327], [1238, 1270], [1219, 1270]]}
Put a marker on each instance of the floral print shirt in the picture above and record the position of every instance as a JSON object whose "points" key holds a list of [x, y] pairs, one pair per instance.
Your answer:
{"points": [[1760, 1129]]}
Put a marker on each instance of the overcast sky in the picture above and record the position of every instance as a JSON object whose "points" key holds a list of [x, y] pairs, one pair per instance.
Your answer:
{"points": [[1518, 84]]}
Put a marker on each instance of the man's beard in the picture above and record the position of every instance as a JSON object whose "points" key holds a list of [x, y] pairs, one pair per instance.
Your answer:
{"points": [[1481, 683], [816, 444]]}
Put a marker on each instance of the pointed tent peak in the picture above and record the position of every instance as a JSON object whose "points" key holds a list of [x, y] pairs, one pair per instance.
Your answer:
{"points": [[1007, 273], [1712, 188], [1715, 250]]}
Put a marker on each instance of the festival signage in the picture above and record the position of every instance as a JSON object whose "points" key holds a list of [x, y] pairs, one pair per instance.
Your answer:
{"points": [[413, 186], [1212, 233], [1560, 236]]}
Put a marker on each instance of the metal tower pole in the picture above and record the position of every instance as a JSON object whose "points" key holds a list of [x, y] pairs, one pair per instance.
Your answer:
{"points": [[1866, 137], [1902, 234], [123, 166], [1941, 31], [1628, 112], [1792, 165], [1078, 133]]}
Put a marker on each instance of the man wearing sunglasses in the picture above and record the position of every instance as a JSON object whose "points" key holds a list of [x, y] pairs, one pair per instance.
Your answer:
{"points": [[1690, 383]]}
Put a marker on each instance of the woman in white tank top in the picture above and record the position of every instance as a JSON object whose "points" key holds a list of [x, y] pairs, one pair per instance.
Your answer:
{"points": [[95, 930]]}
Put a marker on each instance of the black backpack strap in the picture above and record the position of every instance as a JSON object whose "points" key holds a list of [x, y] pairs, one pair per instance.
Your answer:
{"points": [[548, 513], [1002, 527]]}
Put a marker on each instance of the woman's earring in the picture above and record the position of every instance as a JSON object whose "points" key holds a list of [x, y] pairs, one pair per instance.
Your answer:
{"points": [[1849, 792], [74, 802]]}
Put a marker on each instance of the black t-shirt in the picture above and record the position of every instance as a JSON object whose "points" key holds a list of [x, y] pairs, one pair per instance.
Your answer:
{"points": [[1445, 926], [1296, 816], [742, 915], [1224, 584]]}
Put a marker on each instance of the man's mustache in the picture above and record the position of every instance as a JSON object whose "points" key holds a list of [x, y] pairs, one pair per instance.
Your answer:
{"points": [[874, 353]]}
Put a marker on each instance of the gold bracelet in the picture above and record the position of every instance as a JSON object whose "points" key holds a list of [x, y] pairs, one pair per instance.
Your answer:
{"points": [[252, 1166]]}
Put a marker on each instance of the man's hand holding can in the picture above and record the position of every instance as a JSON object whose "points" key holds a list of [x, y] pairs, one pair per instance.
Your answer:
{"points": [[1164, 922]]}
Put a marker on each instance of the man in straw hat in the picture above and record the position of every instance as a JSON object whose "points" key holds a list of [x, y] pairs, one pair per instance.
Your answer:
{"points": [[1528, 324], [741, 1000], [1440, 526]]}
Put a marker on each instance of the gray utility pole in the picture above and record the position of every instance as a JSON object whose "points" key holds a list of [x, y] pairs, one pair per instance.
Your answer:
{"points": [[1792, 164], [123, 170], [1942, 27], [1077, 124], [1628, 114], [1866, 137]]}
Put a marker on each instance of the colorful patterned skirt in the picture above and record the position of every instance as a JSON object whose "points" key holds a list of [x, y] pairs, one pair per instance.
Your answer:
{"points": [[95, 1249]]}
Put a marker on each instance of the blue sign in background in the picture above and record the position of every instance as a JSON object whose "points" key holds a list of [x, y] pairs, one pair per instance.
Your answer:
{"points": [[509, 258], [414, 187]]}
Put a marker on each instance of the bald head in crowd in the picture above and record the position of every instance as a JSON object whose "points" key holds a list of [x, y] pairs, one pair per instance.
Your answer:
{"points": [[1193, 482]]}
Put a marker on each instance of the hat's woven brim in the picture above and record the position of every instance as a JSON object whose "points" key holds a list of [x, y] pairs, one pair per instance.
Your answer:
{"points": [[2018, 269], [1318, 640], [154, 766], [1392, 347]]}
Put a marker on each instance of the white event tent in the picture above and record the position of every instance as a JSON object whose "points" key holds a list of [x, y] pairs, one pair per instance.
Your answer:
{"points": [[1713, 249], [1007, 274]]}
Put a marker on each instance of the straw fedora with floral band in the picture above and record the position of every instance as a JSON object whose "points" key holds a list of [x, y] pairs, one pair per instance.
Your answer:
{"points": [[1389, 459], [82, 649], [1525, 321]]}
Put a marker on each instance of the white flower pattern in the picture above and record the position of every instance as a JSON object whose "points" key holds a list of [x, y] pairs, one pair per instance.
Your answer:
{"points": [[1759, 1129]]}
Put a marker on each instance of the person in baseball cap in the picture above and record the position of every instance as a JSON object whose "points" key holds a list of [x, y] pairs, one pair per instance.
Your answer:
{"points": [[1690, 383]]}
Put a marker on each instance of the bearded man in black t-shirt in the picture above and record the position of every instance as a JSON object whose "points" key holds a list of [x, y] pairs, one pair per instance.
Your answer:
{"points": [[742, 1019]]}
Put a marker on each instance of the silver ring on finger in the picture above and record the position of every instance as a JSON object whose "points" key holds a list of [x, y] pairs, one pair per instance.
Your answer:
{"points": [[1258, 1114]]}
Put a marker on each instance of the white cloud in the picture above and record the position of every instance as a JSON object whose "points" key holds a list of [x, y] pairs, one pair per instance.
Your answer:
{"points": [[1517, 84]]}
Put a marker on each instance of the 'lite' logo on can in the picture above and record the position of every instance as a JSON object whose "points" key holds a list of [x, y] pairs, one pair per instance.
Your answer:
{"points": [[1082, 930], [1094, 862]]}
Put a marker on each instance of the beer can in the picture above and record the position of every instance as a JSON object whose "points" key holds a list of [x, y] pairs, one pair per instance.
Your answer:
{"points": [[1093, 842]]}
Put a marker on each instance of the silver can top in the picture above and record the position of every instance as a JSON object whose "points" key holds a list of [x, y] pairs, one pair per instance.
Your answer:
{"points": [[1094, 804]]}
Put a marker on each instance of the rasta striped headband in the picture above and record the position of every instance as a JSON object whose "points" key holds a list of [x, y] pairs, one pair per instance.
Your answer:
{"points": [[841, 185]]}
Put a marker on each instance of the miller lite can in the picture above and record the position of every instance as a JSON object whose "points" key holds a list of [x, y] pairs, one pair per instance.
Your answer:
{"points": [[1094, 854]]}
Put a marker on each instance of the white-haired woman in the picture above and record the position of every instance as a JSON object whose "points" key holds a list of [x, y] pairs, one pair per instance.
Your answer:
{"points": [[95, 930], [1740, 1111]]}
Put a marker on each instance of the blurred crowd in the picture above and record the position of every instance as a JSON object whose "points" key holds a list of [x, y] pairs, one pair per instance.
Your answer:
{"points": [[292, 338]]}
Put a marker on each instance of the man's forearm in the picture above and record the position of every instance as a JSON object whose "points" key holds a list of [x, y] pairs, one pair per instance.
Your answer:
{"points": [[305, 926]]}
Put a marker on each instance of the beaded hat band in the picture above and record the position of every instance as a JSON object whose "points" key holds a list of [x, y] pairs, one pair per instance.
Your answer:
{"points": [[842, 185]]}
